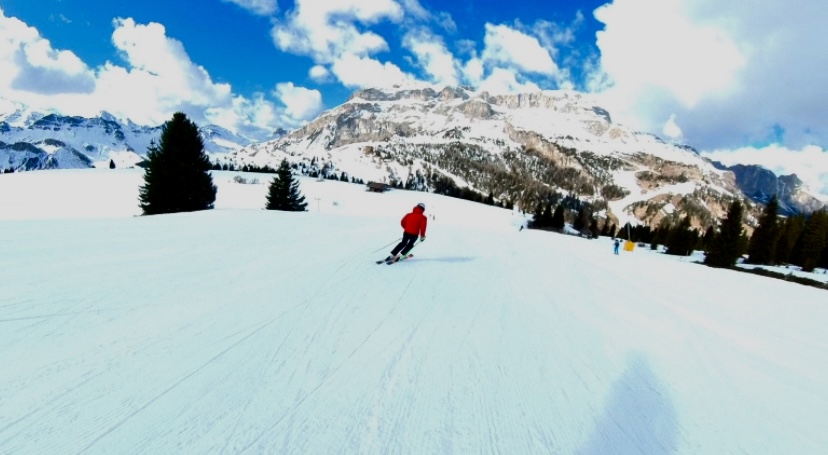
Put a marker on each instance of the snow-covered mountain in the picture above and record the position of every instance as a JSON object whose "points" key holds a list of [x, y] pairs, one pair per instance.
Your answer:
{"points": [[36, 140], [522, 148], [760, 184]]}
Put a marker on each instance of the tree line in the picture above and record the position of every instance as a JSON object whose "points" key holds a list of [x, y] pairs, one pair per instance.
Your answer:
{"points": [[800, 240]]}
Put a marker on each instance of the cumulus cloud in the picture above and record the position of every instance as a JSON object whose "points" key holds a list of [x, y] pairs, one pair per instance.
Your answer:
{"points": [[504, 81], [301, 103], [732, 73], [33, 69], [158, 78], [473, 71], [809, 164], [363, 72], [671, 129], [432, 56], [259, 7], [325, 30], [506, 46], [319, 73]]}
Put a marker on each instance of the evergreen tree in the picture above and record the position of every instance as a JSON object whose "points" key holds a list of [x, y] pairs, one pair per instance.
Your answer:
{"points": [[808, 249], [545, 221], [707, 240], [681, 239], [762, 245], [283, 193], [823, 260], [558, 219], [788, 236], [593, 228], [582, 219], [613, 230], [725, 249], [111, 164], [177, 177], [536, 221], [605, 229]]}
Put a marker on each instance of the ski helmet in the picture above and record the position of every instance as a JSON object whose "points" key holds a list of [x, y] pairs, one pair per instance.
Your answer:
{"points": [[421, 205]]}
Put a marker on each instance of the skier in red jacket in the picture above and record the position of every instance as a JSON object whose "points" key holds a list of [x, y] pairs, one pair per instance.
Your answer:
{"points": [[414, 225]]}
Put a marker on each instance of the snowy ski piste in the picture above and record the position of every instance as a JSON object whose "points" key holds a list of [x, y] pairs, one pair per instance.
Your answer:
{"points": [[244, 331]]}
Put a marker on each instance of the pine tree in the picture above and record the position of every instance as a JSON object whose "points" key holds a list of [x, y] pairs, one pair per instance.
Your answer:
{"points": [[707, 239], [536, 221], [808, 249], [725, 248], [762, 246], [582, 219], [545, 221], [177, 177], [111, 164], [594, 229], [681, 239], [558, 220], [788, 236], [283, 193]]}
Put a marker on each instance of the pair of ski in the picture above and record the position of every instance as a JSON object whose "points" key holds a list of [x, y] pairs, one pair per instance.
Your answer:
{"points": [[402, 258]]}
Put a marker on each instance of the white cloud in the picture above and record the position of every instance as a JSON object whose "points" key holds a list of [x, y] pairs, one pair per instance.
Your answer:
{"points": [[732, 72], [653, 43], [512, 48], [319, 73], [473, 71], [432, 56], [254, 117], [505, 81], [159, 78], [32, 69], [260, 7], [671, 129], [327, 29], [809, 163], [301, 103], [362, 72]]}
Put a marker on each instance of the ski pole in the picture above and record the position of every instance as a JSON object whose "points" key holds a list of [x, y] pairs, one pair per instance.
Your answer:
{"points": [[386, 246]]}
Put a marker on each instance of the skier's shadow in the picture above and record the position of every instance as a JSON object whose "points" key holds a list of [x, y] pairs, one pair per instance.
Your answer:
{"points": [[638, 417], [443, 259]]}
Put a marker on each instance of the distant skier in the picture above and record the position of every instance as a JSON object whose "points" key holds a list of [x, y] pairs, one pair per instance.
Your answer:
{"points": [[617, 245], [413, 224]]}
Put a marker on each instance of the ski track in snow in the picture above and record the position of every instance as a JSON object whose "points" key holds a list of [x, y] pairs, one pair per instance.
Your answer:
{"points": [[247, 331]]}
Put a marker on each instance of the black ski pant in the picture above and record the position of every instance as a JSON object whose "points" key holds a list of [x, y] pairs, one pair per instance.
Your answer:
{"points": [[405, 245]]}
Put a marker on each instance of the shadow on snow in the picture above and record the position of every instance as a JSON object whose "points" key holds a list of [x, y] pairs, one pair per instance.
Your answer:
{"points": [[638, 418]]}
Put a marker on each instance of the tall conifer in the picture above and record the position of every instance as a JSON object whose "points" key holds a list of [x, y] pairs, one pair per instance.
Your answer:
{"points": [[177, 175], [726, 245], [762, 246], [283, 193]]}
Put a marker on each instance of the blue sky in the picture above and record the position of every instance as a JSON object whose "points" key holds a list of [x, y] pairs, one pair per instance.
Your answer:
{"points": [[741, 81]]}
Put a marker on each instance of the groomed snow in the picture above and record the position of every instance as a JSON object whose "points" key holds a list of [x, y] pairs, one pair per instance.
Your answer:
{"points": [[240, 330]]}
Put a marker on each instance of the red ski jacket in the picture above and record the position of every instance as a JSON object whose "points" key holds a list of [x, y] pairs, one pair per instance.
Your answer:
{"points": [[415, 222]]}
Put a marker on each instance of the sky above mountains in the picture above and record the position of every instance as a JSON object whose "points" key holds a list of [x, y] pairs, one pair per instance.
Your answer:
{"points": [[741, 81]]}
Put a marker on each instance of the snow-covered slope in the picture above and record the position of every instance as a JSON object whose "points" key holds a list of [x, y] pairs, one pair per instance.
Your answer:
{"points": [[240, 330]]}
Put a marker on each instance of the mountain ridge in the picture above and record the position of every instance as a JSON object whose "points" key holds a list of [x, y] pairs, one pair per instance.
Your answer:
{"points": [[522, 148]]}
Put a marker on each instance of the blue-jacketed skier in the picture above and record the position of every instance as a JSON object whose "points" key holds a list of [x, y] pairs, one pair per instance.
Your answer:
{"points": [[414, 226]]}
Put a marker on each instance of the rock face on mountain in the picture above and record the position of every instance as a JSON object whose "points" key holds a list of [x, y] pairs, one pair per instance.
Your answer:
{"points": [[760, 184], [523, 148], [32, 140]]}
